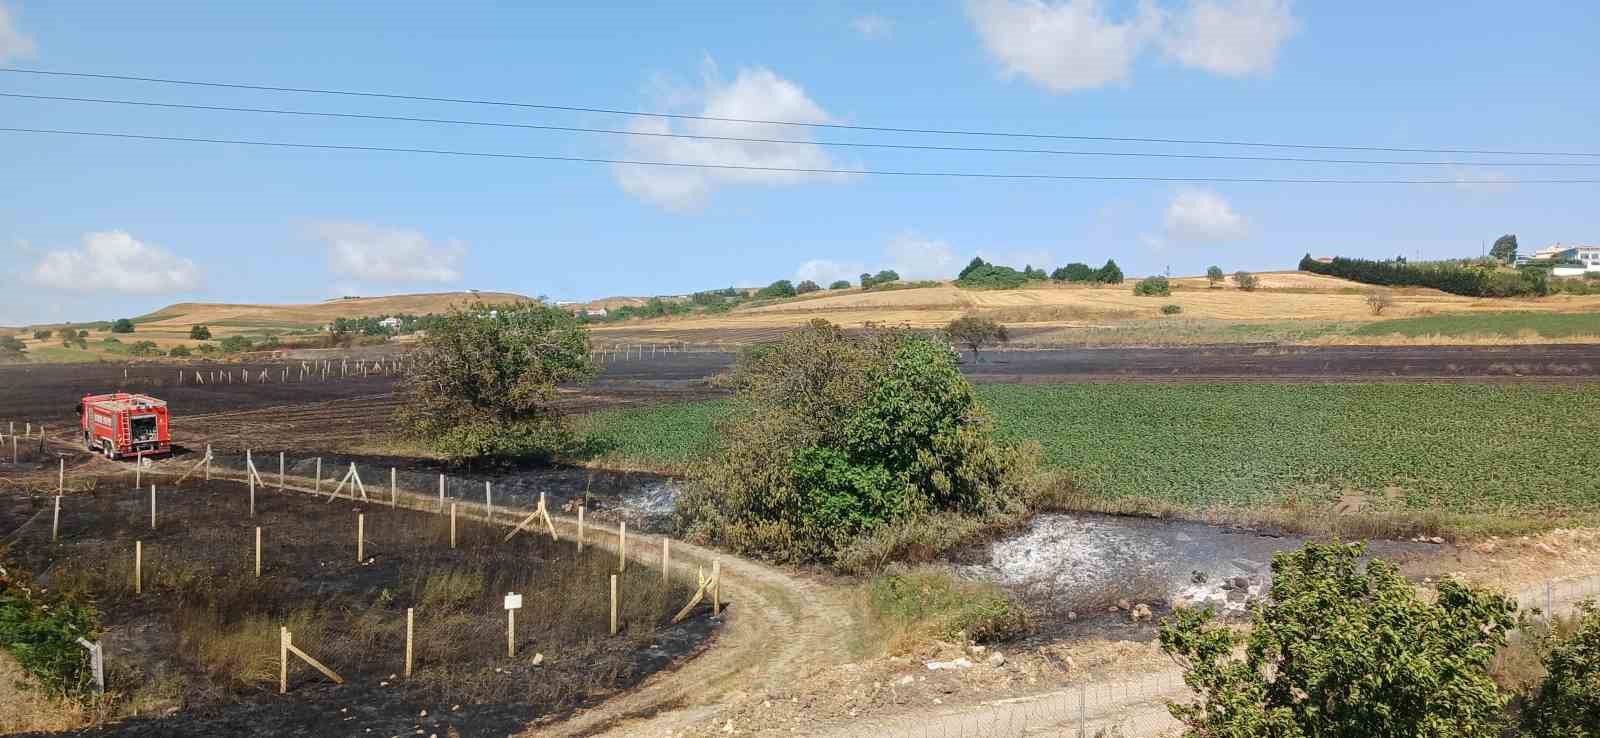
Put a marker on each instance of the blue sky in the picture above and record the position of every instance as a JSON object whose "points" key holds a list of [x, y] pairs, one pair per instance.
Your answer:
{"points": [[98, 228]]}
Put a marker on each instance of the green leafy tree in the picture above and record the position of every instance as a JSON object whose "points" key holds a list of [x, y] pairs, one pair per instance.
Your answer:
{"points": [[143, 348], [806, 286], [179, 351], [971, 267], [1505, 248], [1214, 276], [780, 288], [199, 333], [41, 335], [1567, 703], [1074, 272], [1156, 286], [1345, 651], [236, 344], [485, 378], [882, 277], [1110, 273], [975, 333], [12, 349], [84, 333], [834, 438], [841, 284], [1034, 275], [123, 325], [1246, 281]]}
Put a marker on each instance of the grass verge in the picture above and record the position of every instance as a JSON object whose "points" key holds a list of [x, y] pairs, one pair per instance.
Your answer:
{"points": [[907, 608], [1501, 325]]}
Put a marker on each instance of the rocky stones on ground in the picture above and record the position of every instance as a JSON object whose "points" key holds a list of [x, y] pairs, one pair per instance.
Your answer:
{"points": [[906, 680], [1123, 604], [997, 659], [1141, 613], [1072, 616], [959, 663]]}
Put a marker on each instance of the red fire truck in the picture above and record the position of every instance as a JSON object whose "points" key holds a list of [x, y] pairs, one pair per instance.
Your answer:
{"points": [[123, 424]]}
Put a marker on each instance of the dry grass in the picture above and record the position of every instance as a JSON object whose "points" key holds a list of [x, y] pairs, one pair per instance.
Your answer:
{"points": [[24, 707]]}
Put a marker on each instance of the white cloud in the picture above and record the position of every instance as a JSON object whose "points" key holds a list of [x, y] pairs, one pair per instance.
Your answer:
{"points": [[1063, 46], [914, 257], [1234, 38], [828, 271], [871, 27], [754, 94], [1202, 215], [13, 42], [116, 261], [1068, 45], [373, 253]]}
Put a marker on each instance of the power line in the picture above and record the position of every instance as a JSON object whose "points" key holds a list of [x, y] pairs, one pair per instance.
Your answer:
{"points": [[806, 142], [795, 170], [837, 126]]}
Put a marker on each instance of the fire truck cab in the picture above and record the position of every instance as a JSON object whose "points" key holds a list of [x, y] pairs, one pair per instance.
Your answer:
{"points": [[124, 424]]}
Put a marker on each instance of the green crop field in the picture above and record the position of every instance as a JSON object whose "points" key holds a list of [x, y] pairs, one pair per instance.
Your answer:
{"points": [[1457, 447], [1506, 325]]}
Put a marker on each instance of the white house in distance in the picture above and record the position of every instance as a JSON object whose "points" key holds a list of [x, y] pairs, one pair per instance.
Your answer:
{"points": [[1588, 256]]}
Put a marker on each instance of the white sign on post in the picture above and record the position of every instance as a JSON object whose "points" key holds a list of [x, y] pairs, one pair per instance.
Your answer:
{"points": [[513, 601]]}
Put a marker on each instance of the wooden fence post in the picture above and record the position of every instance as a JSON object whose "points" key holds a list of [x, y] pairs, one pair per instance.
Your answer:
{"points": [[452, 525], [613, 604], [283, 660], [441, 493], [258, 552], [280, 470], [408, 642], [138, 470], [152, 507], [252, 476], [318, 489], [488, 502], [361, 537], [61, 474], [666, 561], [580, 528], [394, 495], [138, 567], [55, 522], [208, 461], [622, 546]]}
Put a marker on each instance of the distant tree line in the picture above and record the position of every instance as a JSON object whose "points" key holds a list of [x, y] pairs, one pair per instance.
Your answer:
{"points": [[1456, 277]]}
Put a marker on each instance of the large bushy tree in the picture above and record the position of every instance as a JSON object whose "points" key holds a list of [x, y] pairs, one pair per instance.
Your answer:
{"points": [[834, 437], [1505, 248], [976, 332], [485, 377], [1110, 273], [1567, 703], [1345, 650]]}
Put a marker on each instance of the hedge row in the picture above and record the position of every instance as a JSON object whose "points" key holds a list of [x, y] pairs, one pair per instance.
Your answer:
{"points": [[1455, 278]]}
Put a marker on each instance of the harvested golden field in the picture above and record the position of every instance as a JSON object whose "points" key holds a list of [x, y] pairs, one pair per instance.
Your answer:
{"points": [[1289, 307], [185, 314]]}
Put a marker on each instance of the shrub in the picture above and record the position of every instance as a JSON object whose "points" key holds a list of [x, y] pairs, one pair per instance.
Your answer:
{"points": [[206, 348], [484, 380], [886, 276], [840, 284], [780, 288], [123, 325], [143, 348], [832, 437], [806, 286], [1453, 277], [916, 605], [42, 629], [982, 275], [12, 348], [199, 333], [975, 332], [1156, 286], [179, 351], [84, 333], [236, 344], [1342, 650], [1246, 281], [1074, 272], [1109, 274], [1379, 301], [1214, 276], [1170, 309], [1567, 702], [43, 334]]}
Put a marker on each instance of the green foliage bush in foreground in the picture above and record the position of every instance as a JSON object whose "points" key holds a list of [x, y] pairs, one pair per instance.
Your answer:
{"points": [[1567, 703], [1342, 650], [834, 438], [42, 630]]}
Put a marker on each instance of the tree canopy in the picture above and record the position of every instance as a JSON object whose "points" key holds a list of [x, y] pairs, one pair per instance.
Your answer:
{"points": [[485, 378], [1505, 248], [1342, 650], [1214, 275], [976, 332], [123, 325]]}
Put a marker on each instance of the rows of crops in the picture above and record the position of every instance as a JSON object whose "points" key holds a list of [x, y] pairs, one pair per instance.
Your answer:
{"points": [[1448, 446], [1506, 325]]}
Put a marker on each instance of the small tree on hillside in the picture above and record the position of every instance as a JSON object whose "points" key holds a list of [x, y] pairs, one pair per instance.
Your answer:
{"points": [[975, 333], [12, 349], [123, 325], [1156, 286], [841, 284], [1379, 301], [199, 333], [485, 377], [1246, 281], [1074, 272], [1214, 276], [780, 288], [1505, 248], [806, 286], [1341, 651], [1110, 273]]}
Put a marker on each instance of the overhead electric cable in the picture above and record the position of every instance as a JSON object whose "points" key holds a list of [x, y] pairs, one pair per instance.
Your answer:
{"points": [[838, 126], [797, 170], [806, 142]]}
